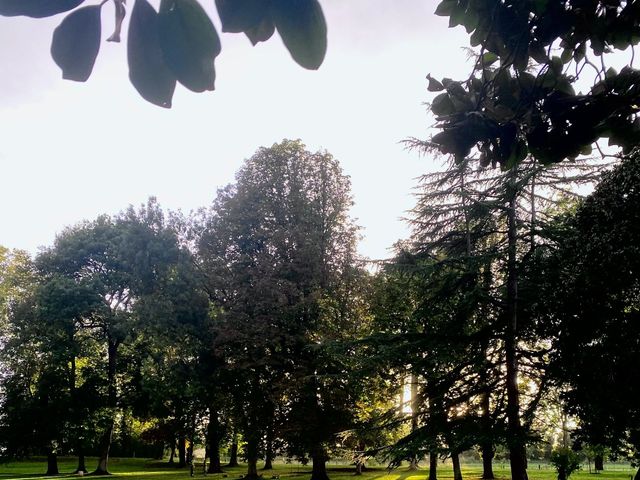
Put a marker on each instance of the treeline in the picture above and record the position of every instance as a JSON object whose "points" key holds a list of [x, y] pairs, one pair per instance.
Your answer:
{"points": [[252, 326]]}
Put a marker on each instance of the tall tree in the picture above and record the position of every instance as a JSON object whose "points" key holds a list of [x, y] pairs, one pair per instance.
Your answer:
{"points": [[594, 309], [279, 250], [118, 265]]}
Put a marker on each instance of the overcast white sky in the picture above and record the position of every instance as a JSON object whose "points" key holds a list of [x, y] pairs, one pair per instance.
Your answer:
{"points": [[71, 151]]}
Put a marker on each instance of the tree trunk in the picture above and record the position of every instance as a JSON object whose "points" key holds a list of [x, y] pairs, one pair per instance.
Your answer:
{"points": [[487, 444], [433, 466], [105, 446], [173, 451], [268, 453], [455, 460], [358, 467], [213, 442], [182, 451], [190, 452], [319, 470], [81, 461], [487, 461], [233, 453], [515, 438], [105, 442], [637, 477], [52, 464], [415, 406], [598, 462], [252, 458]]}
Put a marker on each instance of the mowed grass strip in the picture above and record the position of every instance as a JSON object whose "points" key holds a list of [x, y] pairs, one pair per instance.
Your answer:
{"points": [[145, 469]]}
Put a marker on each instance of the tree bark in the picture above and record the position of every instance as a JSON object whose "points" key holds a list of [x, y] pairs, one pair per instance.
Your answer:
{"points": [[598, 462], [319, 469], [517, 452], [433, 466], [455, 460], [105, 442], [637, 477], [52, 464], [269, 454], [173, 451], [213, 442], [487, 461], [81, 460], [252, 458], [415, 406], [487, 444], [182, 451], [233, 453]]}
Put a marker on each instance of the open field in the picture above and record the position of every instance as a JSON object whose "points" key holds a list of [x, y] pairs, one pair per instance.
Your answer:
{"points": [[142, 469]]}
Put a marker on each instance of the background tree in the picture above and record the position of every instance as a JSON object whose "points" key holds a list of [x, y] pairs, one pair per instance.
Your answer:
{"points": [[279, 250], [595, 312]]}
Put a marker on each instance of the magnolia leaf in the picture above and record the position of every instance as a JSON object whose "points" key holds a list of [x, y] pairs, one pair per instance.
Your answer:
{"points": [[434, 85], [303, 29], [76, 42], [189, 42], [262, 32], [445, 8], [148, 72], [442, 105], [241, 15], [488, 58], [36, 8]]}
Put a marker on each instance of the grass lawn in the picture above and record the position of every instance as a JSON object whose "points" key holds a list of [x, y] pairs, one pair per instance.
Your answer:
{"points": [[142, 469]]}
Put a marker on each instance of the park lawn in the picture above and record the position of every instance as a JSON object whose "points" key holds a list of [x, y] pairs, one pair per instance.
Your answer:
{"points": [[144, 469]]}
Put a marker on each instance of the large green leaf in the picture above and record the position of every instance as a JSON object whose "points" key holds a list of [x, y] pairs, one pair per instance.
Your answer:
{"points": [[36, 8], [241, 15], [263, 31], [148, 72], [76, 43], [189, 43], [303, 29]]}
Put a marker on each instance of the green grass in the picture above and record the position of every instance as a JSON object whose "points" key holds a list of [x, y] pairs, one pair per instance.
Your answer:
{"points": [[142, 469]]}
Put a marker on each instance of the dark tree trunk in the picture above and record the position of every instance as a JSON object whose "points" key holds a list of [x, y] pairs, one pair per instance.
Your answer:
{"points": [[252, 458], [52, 464], [637, 477], [487, 444], [487, 461], [82, 468], [598, 462], [190, 451], [182, 451], [213, 442], [81, 461], [415, 406], [159, 449], [105, 442], [358, 467], [233, 453], [516, 441], [173, 451], [268, 453], [433, 466], [319, 470], [105, 446], [455, 460]]}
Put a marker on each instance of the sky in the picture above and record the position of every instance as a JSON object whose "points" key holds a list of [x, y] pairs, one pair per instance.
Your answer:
{"points": [[72, 151]]}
